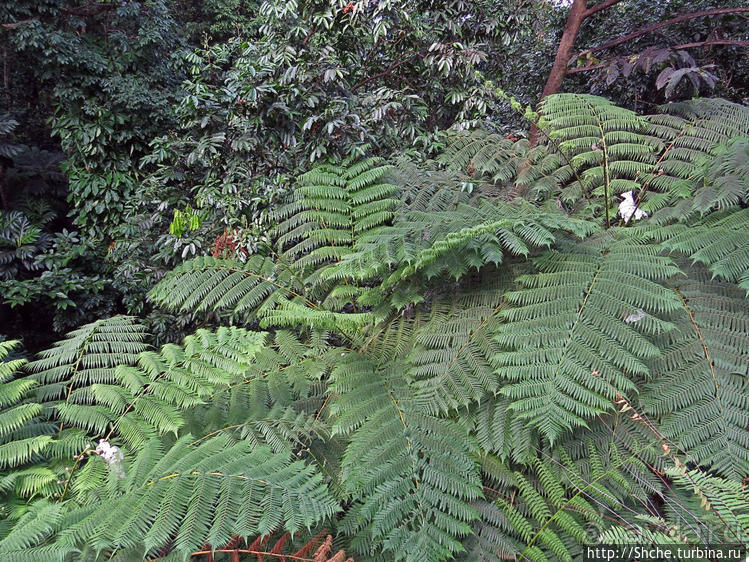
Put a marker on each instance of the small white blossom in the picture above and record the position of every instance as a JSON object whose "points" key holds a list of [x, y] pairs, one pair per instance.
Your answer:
{"points": [[113, 456], [628, 208]]}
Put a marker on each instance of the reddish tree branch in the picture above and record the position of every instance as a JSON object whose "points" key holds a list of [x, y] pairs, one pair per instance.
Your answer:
{"points": [[653, 27], [17, 23], [564, 52], [602, 6], [728, 42], [566, 44]]}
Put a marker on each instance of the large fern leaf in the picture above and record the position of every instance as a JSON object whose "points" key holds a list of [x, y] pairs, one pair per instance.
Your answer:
{"points": [[410, 474], [579, 332], [718, 241], [167, 501], [700, 389]]}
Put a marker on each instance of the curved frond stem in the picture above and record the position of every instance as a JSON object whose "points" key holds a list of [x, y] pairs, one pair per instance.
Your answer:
{"points": [[702, 342]]}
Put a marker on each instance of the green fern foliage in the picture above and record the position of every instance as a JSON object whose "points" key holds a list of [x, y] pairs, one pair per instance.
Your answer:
{"points": [[718, 241], [334, 204], [214, 284], [554, 506], [605, 147], [463, 358], [451, 351], [700, 389], [12, 414], [167, 499], [454, 242], [511, 164], [727, 500], [411, 474], [77, 395], [703, 164], [87, 356], [580, 330], [274, 398], [719, 516]]}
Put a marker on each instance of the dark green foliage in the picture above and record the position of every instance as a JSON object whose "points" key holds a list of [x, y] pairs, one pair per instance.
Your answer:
{"points": [[700, 388], [468, 358], [579, 333], [20, 243], [467, 353]]}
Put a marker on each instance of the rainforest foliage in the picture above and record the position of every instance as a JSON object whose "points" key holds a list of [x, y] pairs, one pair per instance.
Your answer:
{"points": [[296, 279]]}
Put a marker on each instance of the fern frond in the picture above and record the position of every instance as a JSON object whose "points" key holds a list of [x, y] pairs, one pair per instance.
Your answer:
{"points": [[605, 147], [454, 242], [700, 389], [719, 241], [167, 501], [570, 346], [275, 400], [702, 168], [206, 284], [727, 500], [450, 354], [87, 356], [334, 204], [411, 474], [134, 405]]}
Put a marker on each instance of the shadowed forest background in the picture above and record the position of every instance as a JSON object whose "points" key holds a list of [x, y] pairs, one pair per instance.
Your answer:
{"points": [[354, 280]]}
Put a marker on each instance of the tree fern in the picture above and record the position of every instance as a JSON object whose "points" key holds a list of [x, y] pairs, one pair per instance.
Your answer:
{"points": [[605, 147], [700, 388], [718, 241], [275, 400], [333, 205], [696, 170], [472, 375], [167, 502], [570, 345], [410, 473], [450, 354], [79, 395]]}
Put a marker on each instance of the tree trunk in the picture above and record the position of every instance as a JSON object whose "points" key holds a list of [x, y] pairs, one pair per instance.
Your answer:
{"points": [[566, 47], [578, 12]]}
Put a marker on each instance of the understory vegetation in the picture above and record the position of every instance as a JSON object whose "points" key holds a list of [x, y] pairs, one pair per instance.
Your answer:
{"points": [[327, 327]]}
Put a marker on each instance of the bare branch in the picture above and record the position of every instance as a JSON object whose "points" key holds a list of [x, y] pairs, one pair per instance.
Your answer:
{"points": [[653, 27], [728, 42], [17, 23], [602, 6]]}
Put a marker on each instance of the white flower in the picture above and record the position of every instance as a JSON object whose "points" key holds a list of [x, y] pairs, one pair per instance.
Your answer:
{"points": [[628, 209], [113, 456]]}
